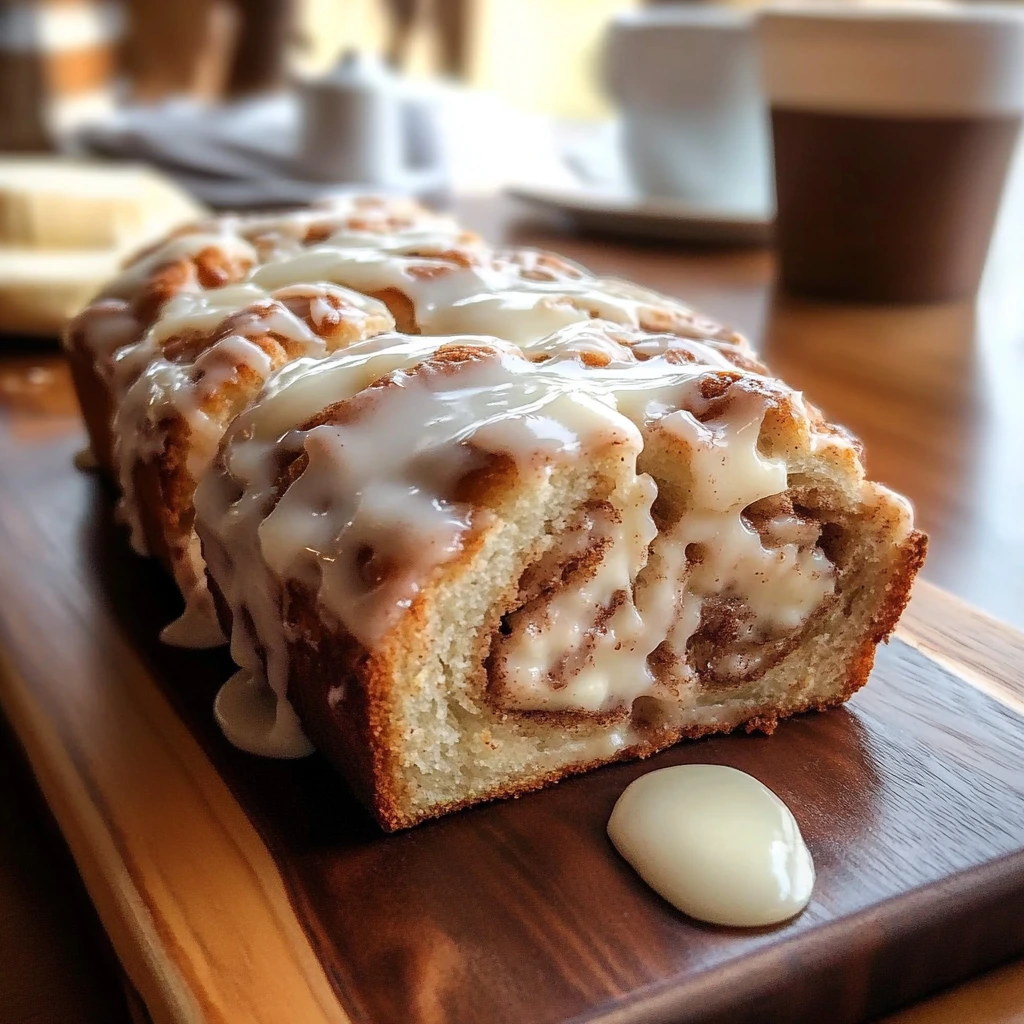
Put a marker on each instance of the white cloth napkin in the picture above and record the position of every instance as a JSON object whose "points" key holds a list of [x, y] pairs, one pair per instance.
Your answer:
{"points": [[246, 153]]}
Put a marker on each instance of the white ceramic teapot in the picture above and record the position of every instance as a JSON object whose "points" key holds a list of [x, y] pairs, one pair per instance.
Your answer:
{"points": [[363, 124], [693, 122]]}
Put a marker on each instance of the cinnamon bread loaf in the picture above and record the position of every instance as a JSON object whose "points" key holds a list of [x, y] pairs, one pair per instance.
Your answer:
{"points": [[553, 521]]}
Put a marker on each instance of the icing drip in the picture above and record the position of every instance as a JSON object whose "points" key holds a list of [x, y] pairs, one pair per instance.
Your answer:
{"points": [[255, 721], [780, 586], [197, 625], [191, 390]]}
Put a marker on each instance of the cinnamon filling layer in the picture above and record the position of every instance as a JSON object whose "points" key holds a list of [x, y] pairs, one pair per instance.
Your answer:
{"points": [[732, 644], [723, 593]]}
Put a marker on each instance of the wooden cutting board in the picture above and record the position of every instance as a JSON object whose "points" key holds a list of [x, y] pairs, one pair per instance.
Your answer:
{"points": [[237, 889]]}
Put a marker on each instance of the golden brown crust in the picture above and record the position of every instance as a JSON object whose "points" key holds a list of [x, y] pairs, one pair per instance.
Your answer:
{"points": [[897, 589]]}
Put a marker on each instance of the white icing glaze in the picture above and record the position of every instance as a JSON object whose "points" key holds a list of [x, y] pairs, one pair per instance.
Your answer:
{"points": [[485, 294], [220, 237], [166, 387], [373, 244], [780, 586], [254, 720], [231, 506], [716, 843], [431, 282], [346, 219], [531, 311], [102, 330], [188, 312], [367, 488], [168, 390], [201, 313], [496, 294]]}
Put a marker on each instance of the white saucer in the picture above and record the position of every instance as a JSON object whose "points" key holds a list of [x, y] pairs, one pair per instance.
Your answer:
{"points": [[603, 209]]}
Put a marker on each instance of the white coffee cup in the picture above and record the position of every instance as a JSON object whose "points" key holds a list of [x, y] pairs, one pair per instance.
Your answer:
{"points": [[693, 121]]}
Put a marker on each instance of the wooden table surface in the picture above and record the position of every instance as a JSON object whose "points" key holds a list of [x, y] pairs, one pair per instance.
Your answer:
{"points": [[936, 393]]}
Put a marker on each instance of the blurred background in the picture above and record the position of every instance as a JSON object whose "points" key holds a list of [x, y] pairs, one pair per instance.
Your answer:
{"points": [[121, 118], [536, 54], [632, 118], [65, 64], [212, 90]]}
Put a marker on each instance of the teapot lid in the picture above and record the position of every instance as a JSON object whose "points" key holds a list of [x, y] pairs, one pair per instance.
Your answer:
{"points": [[360, 67]]}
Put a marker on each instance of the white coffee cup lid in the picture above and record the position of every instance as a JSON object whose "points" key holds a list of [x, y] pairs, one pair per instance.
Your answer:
{"points": [[923, 58]]}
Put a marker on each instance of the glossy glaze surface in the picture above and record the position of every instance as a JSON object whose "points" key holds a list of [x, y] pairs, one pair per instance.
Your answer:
{"points": [[716, 843]]}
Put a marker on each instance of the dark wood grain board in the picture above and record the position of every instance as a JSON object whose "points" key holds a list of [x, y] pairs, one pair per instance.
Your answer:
{"points": [[911, 799]]}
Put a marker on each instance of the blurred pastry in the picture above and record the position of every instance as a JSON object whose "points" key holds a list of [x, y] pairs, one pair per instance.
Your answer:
{"points": [[64, 227]]}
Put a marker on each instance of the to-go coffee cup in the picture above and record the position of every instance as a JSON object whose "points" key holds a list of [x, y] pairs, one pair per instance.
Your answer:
{"points": [[893, 129]]}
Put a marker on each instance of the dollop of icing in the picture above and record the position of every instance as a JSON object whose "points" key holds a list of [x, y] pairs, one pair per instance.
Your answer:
{"points": [[716, 843]]}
